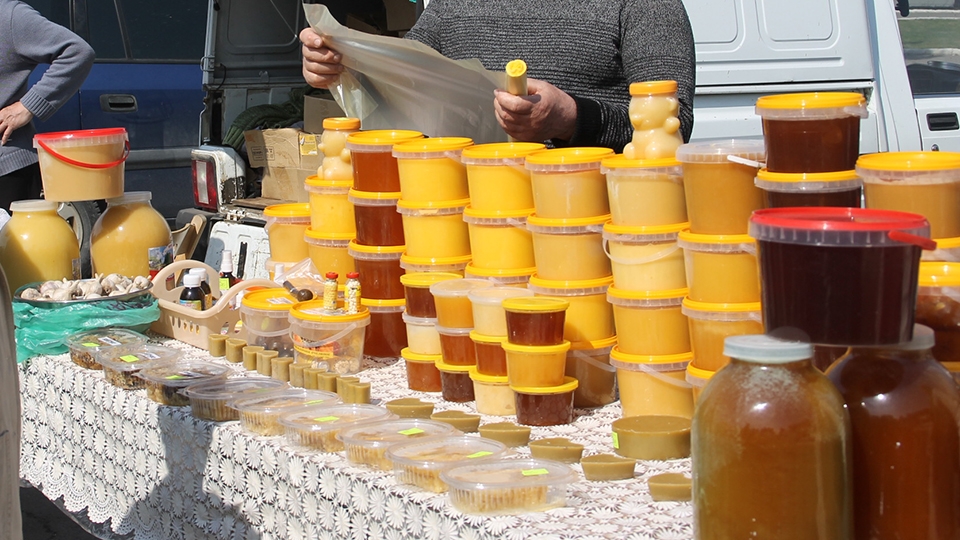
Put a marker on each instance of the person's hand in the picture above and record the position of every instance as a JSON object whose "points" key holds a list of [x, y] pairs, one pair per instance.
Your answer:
{"points": [[546, 112], [13, 117], [321, 65]]}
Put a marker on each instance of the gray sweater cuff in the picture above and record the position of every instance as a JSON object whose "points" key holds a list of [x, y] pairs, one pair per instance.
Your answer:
{"points": [[589, 123], [36, 104]]}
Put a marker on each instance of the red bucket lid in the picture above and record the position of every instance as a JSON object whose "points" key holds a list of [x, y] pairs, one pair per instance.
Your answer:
{"points": [[79, 134], [850, 227]]}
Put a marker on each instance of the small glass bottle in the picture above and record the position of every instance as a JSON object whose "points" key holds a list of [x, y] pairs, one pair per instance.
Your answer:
{"points": [[770, 447], [330, 291], [192, 295], [204, 285], [227, 279], [351, 293], [38, 245], [904, 412]]}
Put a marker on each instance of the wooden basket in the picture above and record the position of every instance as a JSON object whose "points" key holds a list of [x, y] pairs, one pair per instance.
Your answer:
{"points": [[192, 326]]}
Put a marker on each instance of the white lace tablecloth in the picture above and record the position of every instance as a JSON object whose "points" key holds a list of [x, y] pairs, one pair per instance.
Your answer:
{"points": [[156, 472]]}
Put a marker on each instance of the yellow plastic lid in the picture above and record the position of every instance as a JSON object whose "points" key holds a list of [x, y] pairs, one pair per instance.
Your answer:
{"points": [[433, 144], [341, 123], [488, 379], [425, 205], [313, 311], [569, 385], [536, 349], [569, 156], [323, 235], [536, 221], [593, 345], [451, 368], [742, 307], [494, 273], [288, 210], [609, 227], [535, 304], [426, 279], [377, 302], [469, 211], [483, 338], [619, 161], [696, 238], [501, 150], [647, 88], [411, 356], [698, 373], [910, 161], [516, 68], [537, 281], [840, 176], [812, 100], [939, 274], [947, 243], [646, 295], [361, 248], [436, 261], [373, 195], [380, 137], [619, 356], [275, 299], [317, 181]]}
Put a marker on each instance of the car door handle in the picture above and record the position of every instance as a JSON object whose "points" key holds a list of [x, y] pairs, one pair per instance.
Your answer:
{"points": [[942, 122], [123, 103]]}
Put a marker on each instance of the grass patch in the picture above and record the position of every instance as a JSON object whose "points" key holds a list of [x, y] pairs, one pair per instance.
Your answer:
{"points": [[930, 33]]}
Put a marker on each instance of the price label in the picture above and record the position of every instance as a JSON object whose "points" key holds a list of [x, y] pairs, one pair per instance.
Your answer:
{"points": [[91, 344], [616, 440], [326, 419], [314, 401], [481, 453], [411, 431], [109, 341], [175, 377], [130, 358], [534, 472]]}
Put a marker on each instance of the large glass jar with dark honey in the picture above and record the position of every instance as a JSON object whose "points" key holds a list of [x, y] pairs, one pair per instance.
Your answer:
{"points": [[905, 415], [770, 447]]}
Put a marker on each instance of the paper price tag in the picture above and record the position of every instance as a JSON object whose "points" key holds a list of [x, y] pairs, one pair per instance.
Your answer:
{"points": [[411, 431], [149, 356], [326, 419], [616, 440], [534, 472], [109, 341], [481, 453]]}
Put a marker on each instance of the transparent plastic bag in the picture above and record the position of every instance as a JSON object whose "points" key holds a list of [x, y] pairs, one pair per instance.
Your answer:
{"points": [[394, 83]]}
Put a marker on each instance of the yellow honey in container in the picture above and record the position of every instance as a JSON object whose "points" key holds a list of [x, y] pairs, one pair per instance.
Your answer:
{"points": [[567, 182], [652, 385], [925, 183], [652, 322], [435, 229], [718, 184], [336, 165], [430, 169], [948, 250], [698, 379], [37, 245], [82, 165], [416, 265], [589, 316], [569, 249], [509, 277], [644, 191], [331, 211], [330, 253], [499, 239], [645, 258], [721, 268], [131, 238], [286, 226], [496, 176], [711, 323]]}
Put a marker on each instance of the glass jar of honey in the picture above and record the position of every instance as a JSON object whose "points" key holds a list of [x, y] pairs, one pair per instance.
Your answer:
{"points": [[770, 447], [904, 411], [131, 238], [38, 245]]}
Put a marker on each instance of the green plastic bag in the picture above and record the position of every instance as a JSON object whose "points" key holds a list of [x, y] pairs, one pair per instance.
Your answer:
{"points": [[44, 330]]}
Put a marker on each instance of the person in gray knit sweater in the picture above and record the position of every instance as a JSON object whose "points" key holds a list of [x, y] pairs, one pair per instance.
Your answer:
{"points": [[581, 57], [27, 40]]}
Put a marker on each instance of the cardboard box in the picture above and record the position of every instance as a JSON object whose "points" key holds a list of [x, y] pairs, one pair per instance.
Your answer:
{"points": [[286, 184], [310, 155], [275, 148], [315, 109]]}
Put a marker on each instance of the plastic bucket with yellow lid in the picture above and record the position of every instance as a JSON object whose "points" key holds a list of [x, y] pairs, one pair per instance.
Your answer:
{"points": [[502, 277], [721, 268], [331, 340], [493, 394], [653, 321], [938, 306], [644, 191], [378, 223], [265, 315], [843, 189], [416, 290], [422, 335], [499, 239], [386, 335], [415, 265], [698, 378], [435, 229], [330, 208], [330, 253], [653, 384], [948, 250], [535, 320], [430, 169], [379, 268], [496, 176], [569, 249], [718, 184], [285, 226], [451, 298], [422, 372], [645, 258], [536, 365], [371, 152], [812, 132], [489, 318], [567, 182], [589, 316], [711, 323], [545, 405], [925, 183], [589, 363], [82, 165]]}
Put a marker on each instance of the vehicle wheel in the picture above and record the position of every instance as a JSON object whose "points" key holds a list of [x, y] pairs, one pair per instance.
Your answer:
{"points": [[81, 215]]}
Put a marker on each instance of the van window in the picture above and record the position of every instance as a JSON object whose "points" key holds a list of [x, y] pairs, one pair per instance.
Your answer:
{"points": [[57, 11], [931, 48], [166, 30], [105, 36]]}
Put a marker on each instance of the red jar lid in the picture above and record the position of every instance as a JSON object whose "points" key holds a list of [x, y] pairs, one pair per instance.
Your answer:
{"points": [[843, 227]]}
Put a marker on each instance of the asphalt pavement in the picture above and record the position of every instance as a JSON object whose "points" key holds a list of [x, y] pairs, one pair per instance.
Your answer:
{"points": [[43, 520]]}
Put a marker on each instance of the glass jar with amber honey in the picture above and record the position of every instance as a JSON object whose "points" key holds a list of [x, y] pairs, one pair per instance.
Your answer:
{"points": [[904, 411], [938, 306], [770, 447]]}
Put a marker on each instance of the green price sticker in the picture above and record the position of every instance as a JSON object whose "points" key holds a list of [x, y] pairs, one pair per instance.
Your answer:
{"points": [[130, 358], [224, 283], [411, 431], [88, 344], [326, 419], [534, 472], [175, 377], [616, 440], [481, 453], [314, 402]]}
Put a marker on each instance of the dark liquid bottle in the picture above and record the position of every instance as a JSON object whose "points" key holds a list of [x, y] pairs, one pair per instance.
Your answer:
{"points": [[227, 279], [192, 295], [904, 412]]}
